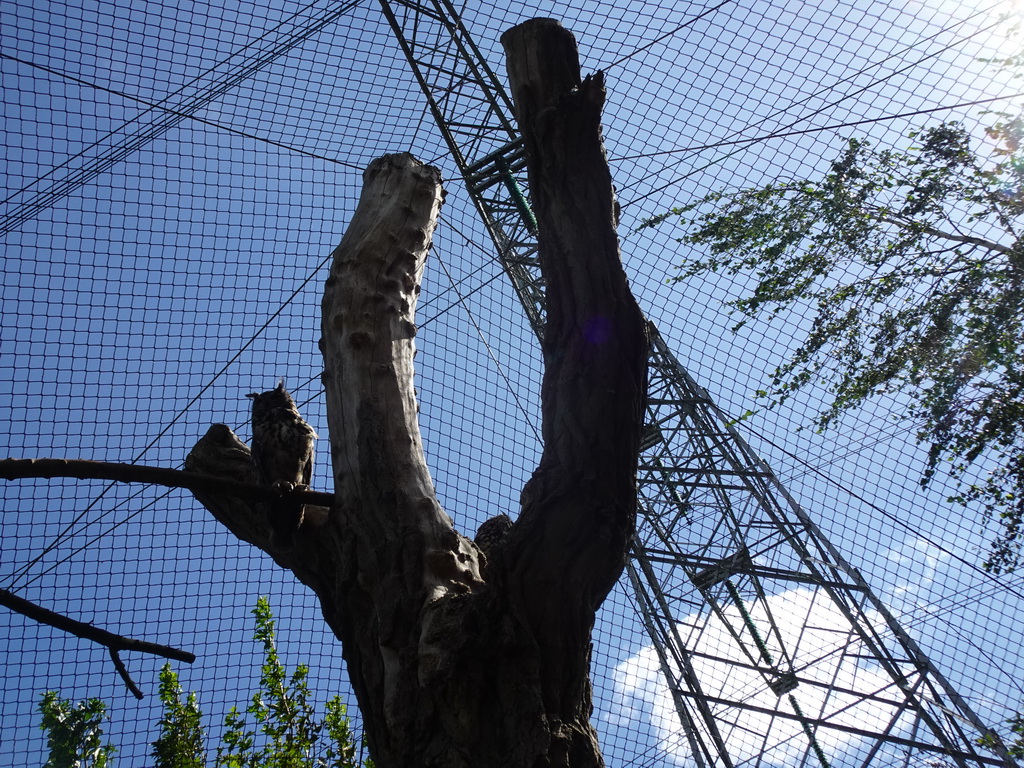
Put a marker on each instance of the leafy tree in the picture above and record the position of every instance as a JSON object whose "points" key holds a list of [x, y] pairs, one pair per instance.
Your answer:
{"points": [[911, 262], [74, 732], [912, 265], [288, 734], [285, 718], [180, 743]]}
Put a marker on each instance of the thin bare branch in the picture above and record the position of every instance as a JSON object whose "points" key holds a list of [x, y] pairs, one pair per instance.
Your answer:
{"points": [[113, 643], [88, 631], [122, 670], [927, 229]]}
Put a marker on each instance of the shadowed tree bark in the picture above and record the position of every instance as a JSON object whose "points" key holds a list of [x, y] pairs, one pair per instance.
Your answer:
{"points": [[458, 659]]}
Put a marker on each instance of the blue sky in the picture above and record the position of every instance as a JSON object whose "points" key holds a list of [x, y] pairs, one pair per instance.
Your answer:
{"points": [[146, 289]]}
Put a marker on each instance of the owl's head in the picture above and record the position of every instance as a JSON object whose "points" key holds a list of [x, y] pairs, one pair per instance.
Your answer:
{"points": [[263, 402], [221, 434]]}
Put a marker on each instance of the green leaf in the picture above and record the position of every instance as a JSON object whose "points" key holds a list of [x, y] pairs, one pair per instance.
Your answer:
{"points": [[180, 743], [74, 732], [910, 266]]}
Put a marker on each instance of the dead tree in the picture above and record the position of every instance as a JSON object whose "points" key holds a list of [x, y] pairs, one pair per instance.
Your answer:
{"points": [[458, 659]]}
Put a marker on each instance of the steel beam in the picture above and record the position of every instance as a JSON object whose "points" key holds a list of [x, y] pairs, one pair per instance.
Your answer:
{"points": [[722, 551]]}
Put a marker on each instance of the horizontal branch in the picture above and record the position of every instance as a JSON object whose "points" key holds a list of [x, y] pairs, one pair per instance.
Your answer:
{"points": [[113, 643], [16, 469], [88, 631]]}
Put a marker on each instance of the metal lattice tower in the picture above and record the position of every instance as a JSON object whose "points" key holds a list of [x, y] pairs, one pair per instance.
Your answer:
{"points": [[773, 648]]}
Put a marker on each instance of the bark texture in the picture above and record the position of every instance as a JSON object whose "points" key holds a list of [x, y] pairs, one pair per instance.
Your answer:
{"points": [[459, 660], [578, 510]]}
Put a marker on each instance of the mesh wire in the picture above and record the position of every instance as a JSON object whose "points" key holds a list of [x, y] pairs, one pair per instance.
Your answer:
{"points": [[176, 175]]}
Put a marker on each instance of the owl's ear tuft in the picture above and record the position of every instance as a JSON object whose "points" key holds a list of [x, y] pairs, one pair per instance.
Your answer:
{"points": [[280, 386]]}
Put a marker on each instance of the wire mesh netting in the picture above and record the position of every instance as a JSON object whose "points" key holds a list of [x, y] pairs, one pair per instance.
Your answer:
{"points": [[177, 174]]}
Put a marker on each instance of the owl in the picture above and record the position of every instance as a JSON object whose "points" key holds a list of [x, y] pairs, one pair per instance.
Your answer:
{"points": [[220, 453], [282, 452], [491, 533]]}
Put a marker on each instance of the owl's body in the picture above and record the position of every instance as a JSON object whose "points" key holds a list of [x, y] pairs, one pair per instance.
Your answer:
{"points": [[282, 442], [282, 452], [491, 534], [220, 453]]}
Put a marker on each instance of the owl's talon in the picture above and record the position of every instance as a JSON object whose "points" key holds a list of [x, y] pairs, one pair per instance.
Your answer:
{"points": [[284, 486]]}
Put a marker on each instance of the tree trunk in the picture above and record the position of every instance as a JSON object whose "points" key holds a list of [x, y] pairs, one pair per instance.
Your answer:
{"points": [[458, 659]]}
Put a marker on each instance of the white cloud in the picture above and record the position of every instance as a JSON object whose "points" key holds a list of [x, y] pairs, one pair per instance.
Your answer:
{"points": [[919, 560], [817, 638]]}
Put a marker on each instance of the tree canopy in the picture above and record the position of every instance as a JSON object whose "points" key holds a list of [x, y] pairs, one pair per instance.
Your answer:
{"points": [[912, 266]]}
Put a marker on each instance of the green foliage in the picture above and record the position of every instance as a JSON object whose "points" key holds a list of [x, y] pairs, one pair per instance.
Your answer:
{"points": [[1014, 747], [286, 734], [180, 743], [341, 749], [1016, 724], [911, 266], [284, 718], [74, 732]]}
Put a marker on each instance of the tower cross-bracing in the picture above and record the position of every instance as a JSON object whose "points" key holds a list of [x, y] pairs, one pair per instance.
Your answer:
{"points": [[773, 648]]}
